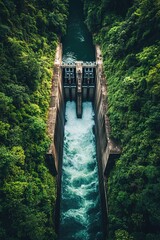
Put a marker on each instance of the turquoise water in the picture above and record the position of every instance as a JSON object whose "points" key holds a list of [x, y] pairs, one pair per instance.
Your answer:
{"points": [[77, 44], [81, 217]]}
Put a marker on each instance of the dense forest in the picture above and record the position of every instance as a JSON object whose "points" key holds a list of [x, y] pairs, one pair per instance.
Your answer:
{"points": [[128, 32], [129, 35], [29, 31]]}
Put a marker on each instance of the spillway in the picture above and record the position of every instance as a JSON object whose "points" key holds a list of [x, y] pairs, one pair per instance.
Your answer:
{"points": [[80, 160], [80, 208]]}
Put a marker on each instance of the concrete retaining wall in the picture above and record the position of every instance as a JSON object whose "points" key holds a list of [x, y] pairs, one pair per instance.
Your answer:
{"points": [[56, 128], [107, 149], [101, 135]]}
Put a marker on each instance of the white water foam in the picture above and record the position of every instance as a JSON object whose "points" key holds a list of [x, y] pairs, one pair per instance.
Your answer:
{"points": [[81, 217], [69, 58]]}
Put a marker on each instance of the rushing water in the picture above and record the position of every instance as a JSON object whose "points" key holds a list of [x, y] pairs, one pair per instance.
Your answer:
{"points": [[80, 204]]}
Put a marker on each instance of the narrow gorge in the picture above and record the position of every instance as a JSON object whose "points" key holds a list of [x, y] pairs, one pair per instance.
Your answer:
{"points": [[82, 160]]}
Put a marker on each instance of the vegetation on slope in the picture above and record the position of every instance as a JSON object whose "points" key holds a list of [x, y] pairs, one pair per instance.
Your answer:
{"points": [[28, 39], [129, 34]]}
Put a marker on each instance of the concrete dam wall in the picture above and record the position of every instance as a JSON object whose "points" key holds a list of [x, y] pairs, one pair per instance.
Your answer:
{"points": [[79, 82]]}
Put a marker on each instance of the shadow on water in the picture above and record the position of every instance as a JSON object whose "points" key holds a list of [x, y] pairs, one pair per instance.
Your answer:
{"points": [[77, 43]]}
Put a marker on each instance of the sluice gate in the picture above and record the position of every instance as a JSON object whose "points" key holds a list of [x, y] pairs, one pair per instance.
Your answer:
{"points": [[79, 83]]}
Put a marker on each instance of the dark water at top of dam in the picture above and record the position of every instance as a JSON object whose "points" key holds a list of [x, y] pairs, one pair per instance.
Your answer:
{"points": [[77, 43]]}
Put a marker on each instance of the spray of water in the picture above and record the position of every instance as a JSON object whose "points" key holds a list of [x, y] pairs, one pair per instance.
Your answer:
{"points": [[81, 217]]}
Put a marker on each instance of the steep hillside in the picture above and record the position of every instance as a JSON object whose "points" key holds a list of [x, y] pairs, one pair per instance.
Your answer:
{"points": [[129, 35], [28, 39]]}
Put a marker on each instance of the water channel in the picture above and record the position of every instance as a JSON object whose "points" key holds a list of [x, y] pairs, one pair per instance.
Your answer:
{"points": [[80, 211], [77, 43]]}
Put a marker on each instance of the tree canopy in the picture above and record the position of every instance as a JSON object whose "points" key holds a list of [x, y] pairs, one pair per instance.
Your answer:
{"points": [[29, 32], [129, 33]]}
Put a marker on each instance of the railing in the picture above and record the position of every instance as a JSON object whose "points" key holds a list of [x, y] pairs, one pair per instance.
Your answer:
{"points": [[84, 64]]}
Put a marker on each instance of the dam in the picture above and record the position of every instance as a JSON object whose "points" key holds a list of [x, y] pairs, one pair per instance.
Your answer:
{"points": [[79, 83], [81, 152]]}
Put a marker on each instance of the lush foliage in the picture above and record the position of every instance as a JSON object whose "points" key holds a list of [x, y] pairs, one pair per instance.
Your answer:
{"points": [[28, 39], [129, 34]]}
